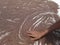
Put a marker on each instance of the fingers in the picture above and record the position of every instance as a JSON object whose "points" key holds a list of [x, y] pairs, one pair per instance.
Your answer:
{"points": [[34, 35], [30, 35], [29, 32], [34, 39]]}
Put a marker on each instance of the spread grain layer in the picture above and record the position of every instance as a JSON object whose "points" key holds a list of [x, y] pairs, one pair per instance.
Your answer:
{"points": [[19, 16]]}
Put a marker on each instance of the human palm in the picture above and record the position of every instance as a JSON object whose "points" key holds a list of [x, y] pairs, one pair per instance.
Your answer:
{"points": [[34, 35]]}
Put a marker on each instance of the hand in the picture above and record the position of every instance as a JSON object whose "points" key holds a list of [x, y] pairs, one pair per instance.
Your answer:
{"points": [[34, 35]]}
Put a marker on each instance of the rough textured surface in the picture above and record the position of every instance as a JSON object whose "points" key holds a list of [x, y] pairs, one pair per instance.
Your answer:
{"points": [[19, 16]]}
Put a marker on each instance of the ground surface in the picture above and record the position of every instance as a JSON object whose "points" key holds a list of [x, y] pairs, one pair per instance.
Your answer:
{"points": [[19, 16]]}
